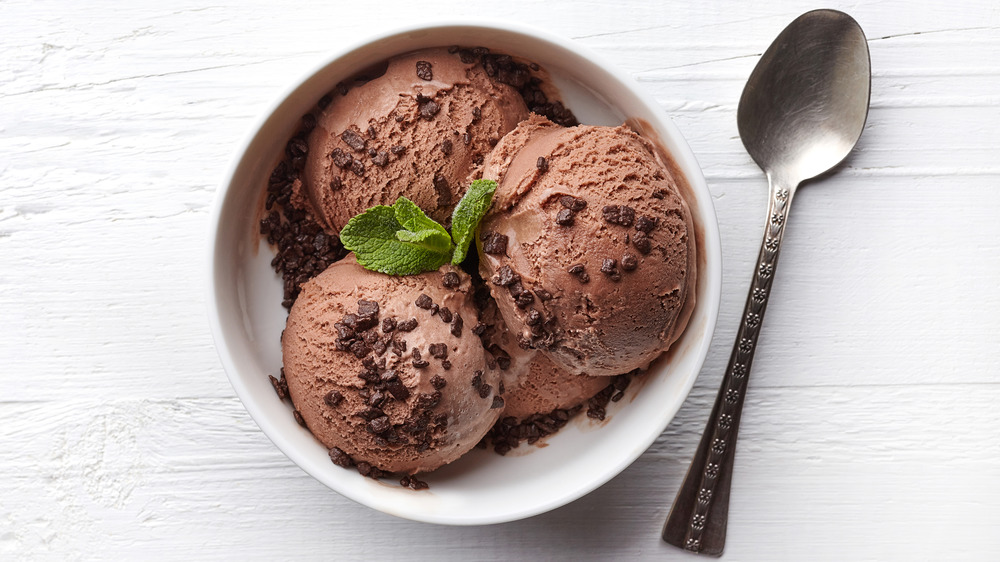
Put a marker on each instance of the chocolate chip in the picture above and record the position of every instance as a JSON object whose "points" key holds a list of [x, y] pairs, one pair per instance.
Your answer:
{"points": [[456, 326], [428, 109], [333, 398], [353, 140], [367, 308], [341, 159], [427, 401], [388, 324], [438, 382], [542, 164], [580, 273], [610, 268], [279, 388], [371, 131], [398, 149], [645, 224], [477, 114], [446, 365], [629, 262], [298, 418], [564, 217], [398, 390], [336, 183], [485, 390], [388, 375], [642, 243], [533, 317], [340, 458], [424, 70], [360, 349], [424, 301], [574, 204], [479, 329], [376, 399], [418, 361], [438, 350], [324, 101], [505, 277], [358, 167], [381, 159], [453, 49], [368, 414], [477, 379], [543, 295], [494, 243], [308, 122], [407, 325], [445, 314], [446, 147], [450, 280], [621, 215], [497, 403], [524, 299], [466, 138], [443, 190], [379, 425]]}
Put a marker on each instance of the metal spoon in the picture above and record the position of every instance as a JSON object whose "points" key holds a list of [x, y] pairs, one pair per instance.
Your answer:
{"points": [[801, 113]]}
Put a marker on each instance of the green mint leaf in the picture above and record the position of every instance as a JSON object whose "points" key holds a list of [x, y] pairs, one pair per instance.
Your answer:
{"points": [[412, 217], [373, 236], [467, 214], [429, 239]]}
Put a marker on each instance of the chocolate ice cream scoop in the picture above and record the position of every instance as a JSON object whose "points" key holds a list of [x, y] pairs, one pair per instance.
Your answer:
{"points": [[386, 370], [589, 247], [417, 130]]}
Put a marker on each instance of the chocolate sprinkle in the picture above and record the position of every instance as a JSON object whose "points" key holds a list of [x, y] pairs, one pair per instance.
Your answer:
{"points": [[574, 204], [645, 224], [424, 70], [333, 398], [629, 262], [341, 159], [642, 243], [424, 302], [494, 243], [610, 268], [340, 458], [621, 215], [438, 350], [450, 280], [428, 109], [353, 140]]}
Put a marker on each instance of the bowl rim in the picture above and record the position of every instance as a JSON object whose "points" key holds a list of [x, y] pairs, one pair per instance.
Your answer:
{"points": [[682, 155]]}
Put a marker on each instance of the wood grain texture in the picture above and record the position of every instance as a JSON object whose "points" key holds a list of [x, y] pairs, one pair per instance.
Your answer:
{"points": [[870, 430]]}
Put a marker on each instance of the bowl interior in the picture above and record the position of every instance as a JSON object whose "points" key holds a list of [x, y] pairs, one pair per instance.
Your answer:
{"points": [[482, 487]]}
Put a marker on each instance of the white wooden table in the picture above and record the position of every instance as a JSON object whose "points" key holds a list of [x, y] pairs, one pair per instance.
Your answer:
{"points": [[872, 427]]}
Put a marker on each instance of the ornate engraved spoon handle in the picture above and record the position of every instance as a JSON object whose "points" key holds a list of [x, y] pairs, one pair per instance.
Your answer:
{"points": [[698, 518]]}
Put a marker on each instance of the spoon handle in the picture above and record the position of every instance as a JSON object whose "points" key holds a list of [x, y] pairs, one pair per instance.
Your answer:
{"points": [[698, 518]]}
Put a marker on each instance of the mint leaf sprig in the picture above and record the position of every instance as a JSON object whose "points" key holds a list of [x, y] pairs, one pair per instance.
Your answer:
{"points": [[402, 240]]}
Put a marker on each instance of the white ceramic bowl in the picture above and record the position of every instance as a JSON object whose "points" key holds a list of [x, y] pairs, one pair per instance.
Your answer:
{"points": [[247, 317]]}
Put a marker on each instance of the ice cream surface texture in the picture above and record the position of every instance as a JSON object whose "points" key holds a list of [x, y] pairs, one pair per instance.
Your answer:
{"points": [[589, 247], [417, 130], [386, 369]]}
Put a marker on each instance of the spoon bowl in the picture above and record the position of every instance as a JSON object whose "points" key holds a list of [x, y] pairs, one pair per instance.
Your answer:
{"points": [[806, 102], [801, 113]]}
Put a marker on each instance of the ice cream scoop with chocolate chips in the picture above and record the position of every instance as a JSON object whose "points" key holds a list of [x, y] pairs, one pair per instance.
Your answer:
{"points": [[589, 248], [417, 130], [385, 370]]}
